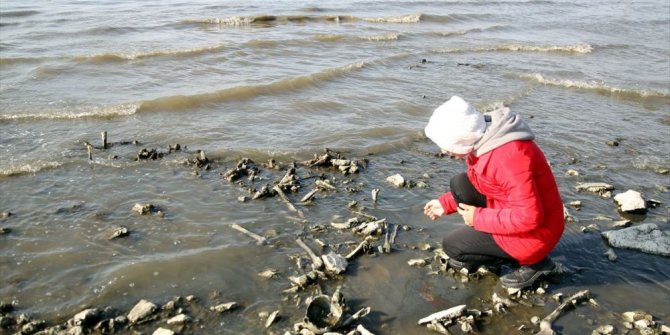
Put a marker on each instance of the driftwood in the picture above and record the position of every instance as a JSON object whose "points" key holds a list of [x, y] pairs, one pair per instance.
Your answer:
{"points": [[545, 324], [325, 185], [258, 238], [317, 262], [283, 196]]}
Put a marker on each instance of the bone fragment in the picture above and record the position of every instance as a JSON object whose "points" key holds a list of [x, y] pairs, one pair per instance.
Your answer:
{"points": [[317, 262], [309, 195], [361, 247], [545, 324], [259, 239], [287, 201]]}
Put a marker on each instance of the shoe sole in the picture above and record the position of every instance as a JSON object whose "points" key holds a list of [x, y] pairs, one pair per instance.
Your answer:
{"points": [[530, 281]]}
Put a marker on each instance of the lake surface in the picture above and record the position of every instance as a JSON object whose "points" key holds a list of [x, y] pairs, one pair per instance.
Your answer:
{"points": [[283, 80]]}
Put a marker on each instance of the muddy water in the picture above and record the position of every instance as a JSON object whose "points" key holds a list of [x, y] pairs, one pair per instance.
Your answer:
{"points": [[225, 80]]}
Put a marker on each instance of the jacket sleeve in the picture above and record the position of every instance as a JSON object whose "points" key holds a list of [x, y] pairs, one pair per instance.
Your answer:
{"points": [[522, 210], [448, 203]]}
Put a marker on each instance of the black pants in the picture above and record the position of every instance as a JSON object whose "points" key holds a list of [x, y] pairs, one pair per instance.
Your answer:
{"points": [[466, 244]]}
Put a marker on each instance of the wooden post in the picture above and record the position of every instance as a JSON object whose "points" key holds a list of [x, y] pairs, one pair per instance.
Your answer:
{"points": [[89, 148], [104, 139]]}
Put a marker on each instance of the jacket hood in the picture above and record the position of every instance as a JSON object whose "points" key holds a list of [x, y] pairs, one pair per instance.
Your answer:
{"points": [[504, 127]]}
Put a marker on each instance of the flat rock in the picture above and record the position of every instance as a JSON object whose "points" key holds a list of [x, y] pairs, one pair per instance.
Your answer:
{"points": [[141, 310], [631, 201], [647, 238], [603, 189]]}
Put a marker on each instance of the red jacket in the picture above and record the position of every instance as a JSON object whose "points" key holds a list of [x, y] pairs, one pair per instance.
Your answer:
{"points": [[524, 211]]}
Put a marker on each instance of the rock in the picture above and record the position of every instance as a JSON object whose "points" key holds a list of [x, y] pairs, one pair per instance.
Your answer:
{"points": [[611, 255], [576, 204], [269, 273], [621, 224], [86, 317], [631, 202], [143, 209], [396, 180], [5, 215], [142, 310], [571, 173], [5, 231], [179, 319], [646, 238], [220, 308], [613, 143], [603, 189], [119, 232], [162, 331], [335, 263], [416, 262], [604, 330]]}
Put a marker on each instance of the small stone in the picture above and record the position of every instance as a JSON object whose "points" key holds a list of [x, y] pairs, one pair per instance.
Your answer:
{"points": [[611, 255], [5, 215], [243, 199], [605, 330], [224, 307], [143, 209], [5, 231], [179, 319], [621, 224], [396, 180], [417, 262], [162, 331], [269, 273], [142, 310], [662, 170], [603, 189], [119, 232], [535, 320], [86, 317], [613, 143], [572, 173], [576, 204]]}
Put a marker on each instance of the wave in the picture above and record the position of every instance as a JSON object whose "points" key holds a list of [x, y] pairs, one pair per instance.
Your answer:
{"points": [[18, 13], [246, 92], [576, 48], [23, 60], [120, 57], [29, 168], [594, 86], [120, 110], [277, 19], [472, 30], [381, 37], [410, 18]]}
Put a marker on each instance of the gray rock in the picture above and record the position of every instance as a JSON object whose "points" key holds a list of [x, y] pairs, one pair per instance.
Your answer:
{"points": [[396, 180], [86, 317], [631, 201], [646, 238], [142, 310], [179, 319], [335, 263]]}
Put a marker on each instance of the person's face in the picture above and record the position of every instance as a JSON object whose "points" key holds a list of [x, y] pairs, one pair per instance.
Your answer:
{"points": [[453, 155]]}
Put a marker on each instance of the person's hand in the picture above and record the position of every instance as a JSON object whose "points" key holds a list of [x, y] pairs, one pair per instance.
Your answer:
{"points": [[433, 209], [468, 213]]}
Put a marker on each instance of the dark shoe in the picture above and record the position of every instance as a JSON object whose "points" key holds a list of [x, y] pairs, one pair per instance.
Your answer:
{"points": [[528, 274]]}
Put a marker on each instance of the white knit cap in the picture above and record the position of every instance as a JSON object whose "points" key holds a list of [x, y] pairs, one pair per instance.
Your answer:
{"points": [[456, 126]]}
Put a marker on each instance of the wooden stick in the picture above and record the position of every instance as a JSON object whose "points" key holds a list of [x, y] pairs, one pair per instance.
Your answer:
{"points": [[258, 238], [545, 324], [317, 262], [104, 139], [283, 196], [309, 195]]}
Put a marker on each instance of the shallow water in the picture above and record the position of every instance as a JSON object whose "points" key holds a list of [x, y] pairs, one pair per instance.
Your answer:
{"points": [[284, 80]]}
